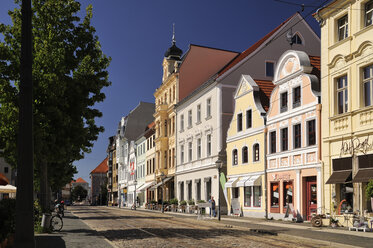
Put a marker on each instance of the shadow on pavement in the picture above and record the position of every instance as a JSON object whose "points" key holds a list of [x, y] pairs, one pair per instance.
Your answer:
{"points": [[48, 241], [121, 217]]}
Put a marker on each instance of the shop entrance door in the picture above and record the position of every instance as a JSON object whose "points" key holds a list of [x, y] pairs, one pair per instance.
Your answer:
{"points": [[311, 204]]}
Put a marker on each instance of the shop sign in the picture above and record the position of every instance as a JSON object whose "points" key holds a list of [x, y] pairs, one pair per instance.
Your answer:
{"points": [[278, 177], [355, 145]]}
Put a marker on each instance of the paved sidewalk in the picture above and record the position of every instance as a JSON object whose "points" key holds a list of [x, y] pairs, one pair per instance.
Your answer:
{"points": [[75, 233], [333, 235]]}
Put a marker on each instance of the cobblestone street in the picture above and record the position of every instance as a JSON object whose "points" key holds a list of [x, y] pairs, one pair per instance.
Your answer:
{"points": [[128, 228]]}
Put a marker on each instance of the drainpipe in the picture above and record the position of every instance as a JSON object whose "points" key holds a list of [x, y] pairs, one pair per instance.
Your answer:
{"points": [[265, 168]]}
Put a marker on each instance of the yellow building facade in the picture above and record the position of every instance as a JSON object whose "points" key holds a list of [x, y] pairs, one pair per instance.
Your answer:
{"points": [[347, 99], [166, 96], [246, 149]]}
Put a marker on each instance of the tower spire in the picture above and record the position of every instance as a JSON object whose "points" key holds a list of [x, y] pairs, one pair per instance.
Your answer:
{"points": [[173, 34]]}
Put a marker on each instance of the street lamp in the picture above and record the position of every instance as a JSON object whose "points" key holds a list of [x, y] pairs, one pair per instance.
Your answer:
{"points": [[162, 177], [135, 199], [219, 165]]}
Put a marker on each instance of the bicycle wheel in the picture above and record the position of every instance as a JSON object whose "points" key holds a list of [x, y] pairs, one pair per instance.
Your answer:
{"points": [[56, 223]]}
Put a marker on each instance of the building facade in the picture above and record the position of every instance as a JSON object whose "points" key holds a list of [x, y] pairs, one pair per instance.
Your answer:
{"points": [[140, 145], [98, 182], [150, 179], [293, 140], [347, 98]]}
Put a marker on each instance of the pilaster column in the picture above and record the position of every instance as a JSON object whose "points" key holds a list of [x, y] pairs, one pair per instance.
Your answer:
{"points": [[319, 190], [297, 179]]}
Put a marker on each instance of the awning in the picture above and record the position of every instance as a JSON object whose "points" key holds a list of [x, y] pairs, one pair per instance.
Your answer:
{"points": [[363, 175], [340, 177], [160, 183], [145, 186], [254, 181], [242, 181], [8, 189], [3, 179], [231, 183]]}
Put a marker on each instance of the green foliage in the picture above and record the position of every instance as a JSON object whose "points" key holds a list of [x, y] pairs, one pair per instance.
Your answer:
{"points": [[201, 201], [78, 193], [369, 189], [191, 202], [69, 73], [183, 203], [174, 201], [7, 217], [38, 215]]}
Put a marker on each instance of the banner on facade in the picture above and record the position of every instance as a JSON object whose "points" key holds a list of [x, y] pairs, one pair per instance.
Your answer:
{"points": [[236, 206]]}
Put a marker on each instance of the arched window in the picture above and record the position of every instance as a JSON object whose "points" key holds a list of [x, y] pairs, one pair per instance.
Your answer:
{"points": [[256, 152], [235, 157], [245, 154], [296, 39]]}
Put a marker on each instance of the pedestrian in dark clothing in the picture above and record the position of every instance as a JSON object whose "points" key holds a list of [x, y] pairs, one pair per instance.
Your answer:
{"points": [[213, 206]]}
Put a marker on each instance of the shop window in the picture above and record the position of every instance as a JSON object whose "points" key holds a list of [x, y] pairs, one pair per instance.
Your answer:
{"points": [[181, 191], [368, 84], [275, 197], [248, 193], [342, 95], [256, 153], [297, 136], [346, 198], [343, 28], [284, 102], [273, 142], [245, 155], [190, 191], [288, 193], [198, 189], [284, 139], [236, 192], [248, 118], [257, 196], [239, 122], [296, 97], [368, 13], [235, 157], [311, 132], [208, 188]]}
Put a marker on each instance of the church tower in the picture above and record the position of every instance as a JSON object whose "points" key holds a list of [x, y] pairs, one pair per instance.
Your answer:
{"points": [[172, 58]]}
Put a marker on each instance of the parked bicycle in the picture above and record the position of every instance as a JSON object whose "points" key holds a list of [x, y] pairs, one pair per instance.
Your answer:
{"points": [[56, 222]]}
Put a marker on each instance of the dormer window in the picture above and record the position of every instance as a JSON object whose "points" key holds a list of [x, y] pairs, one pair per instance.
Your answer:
{"points": [[343, 28], [296, 39]]}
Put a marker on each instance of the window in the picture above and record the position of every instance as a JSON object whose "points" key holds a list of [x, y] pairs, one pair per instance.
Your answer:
{"points": [[296, 97], [343, 28], [235, 157], [245, 155], [248, 118], [181, 191], [207, 188], [284, 139], [296, 39], [342, 95], [273, 142], [198, 113], [257, 201], [190, 191], [236, 192], [297, 136], [368, 13], [6, 169], [182, 153], [165, 128], [190, 118], [208, 107], [198, 189], [270, 69], [247, 199], [256, 153], [209, 145], [288, 193], [165, 160], [181, 123], [275, 200], [368, 84], [284, 102], [199, 148], [239, 122], [311, 132], [190, 151]]}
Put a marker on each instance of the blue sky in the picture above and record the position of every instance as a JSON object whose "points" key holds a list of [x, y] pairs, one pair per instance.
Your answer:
{"points": [[135, 34]]}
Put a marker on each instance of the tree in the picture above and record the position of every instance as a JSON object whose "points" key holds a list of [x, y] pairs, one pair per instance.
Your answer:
{"points": [[79, 193], [69, 72]]}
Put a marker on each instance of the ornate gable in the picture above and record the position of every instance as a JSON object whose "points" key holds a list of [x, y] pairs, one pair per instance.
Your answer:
{"points": [[246, 85]]}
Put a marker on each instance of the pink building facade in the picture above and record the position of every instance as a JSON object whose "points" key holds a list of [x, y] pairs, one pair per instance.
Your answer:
{"points": [[293, 138]]}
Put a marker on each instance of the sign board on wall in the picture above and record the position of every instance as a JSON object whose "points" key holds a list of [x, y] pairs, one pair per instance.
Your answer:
{"points": [[236, 206]]}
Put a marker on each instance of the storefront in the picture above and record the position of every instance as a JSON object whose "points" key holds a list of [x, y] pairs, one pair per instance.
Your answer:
{"points": [[293, 189]]}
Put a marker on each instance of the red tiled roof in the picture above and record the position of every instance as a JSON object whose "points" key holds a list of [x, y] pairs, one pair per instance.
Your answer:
{"points": [[151, 125], [265, 90], [315, 62], [102, 167], [79, 180], [3, 179], [251, 49]]}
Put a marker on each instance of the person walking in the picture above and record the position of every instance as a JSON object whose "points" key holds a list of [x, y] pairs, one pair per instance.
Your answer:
{"points": [[213, 205]]}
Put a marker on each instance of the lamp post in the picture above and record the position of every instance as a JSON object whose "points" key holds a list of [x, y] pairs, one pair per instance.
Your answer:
{"points": [[135, 198], [219, 165], [162, 177]]}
